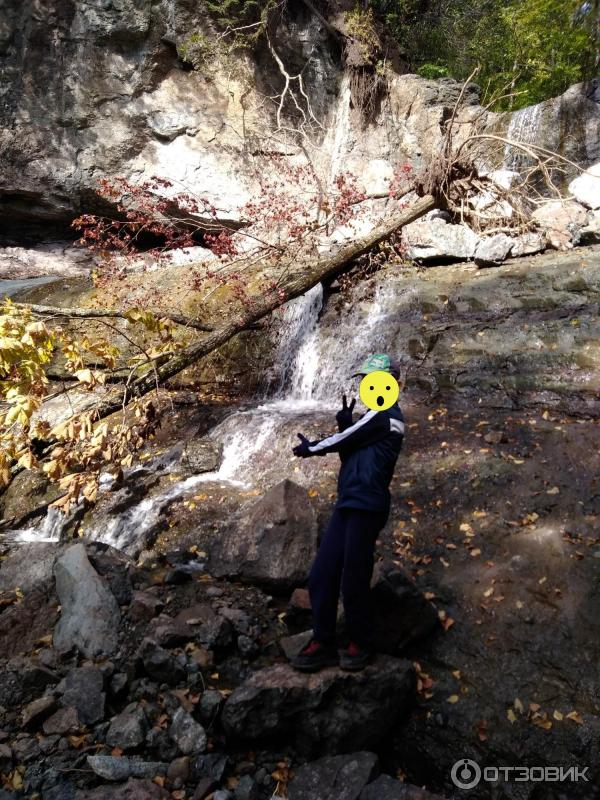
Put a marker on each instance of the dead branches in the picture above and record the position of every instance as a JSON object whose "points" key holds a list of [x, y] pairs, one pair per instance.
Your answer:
{"points": [[103, 313]]}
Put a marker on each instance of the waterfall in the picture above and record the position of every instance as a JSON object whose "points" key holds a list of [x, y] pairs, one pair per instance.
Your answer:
{"points": [[171, 16], [336, 139], [524, 127], [295, 355], [49, 530], [316, 353]]}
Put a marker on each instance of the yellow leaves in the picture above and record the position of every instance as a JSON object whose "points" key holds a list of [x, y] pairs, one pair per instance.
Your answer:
{"points": [[542, 721], [17, 778], [77, 741], [84, 376], [454, 698], [518, 705], [445, 619], [553, 490], [27, 460], [90, 378], [575, 716], [538, 717], [424, 682], [530, 519], [52, 469]]}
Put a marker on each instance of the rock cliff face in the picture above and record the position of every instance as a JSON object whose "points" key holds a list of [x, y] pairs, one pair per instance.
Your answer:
{"points": [[93, 88]]}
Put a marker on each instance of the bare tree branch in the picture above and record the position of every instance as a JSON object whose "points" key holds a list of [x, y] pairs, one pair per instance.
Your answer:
{"points": [[99, 313]]}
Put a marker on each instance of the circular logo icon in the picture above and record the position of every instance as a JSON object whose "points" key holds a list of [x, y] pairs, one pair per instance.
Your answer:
{"points": [[465, 773]]}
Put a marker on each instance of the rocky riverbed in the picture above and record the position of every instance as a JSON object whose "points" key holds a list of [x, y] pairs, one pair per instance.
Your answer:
{"points": [[160, 668]]}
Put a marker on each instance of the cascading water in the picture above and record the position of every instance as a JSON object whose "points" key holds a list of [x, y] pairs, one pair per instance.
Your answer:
{"points": [[337, 135], [296, 352], [524, 128], [49, 530]]}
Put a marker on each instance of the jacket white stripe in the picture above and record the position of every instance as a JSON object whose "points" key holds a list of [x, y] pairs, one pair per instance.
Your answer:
{"points": [[397, 426], [339, 437]]}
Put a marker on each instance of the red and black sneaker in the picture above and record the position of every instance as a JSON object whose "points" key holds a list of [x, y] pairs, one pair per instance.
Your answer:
{"points": [[355, 658], [315, 656]]}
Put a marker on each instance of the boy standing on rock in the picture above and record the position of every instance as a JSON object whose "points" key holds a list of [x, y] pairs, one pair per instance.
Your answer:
{"points": [[368, 450]]}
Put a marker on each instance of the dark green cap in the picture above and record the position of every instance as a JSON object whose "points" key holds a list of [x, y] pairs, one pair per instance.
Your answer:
{"points": [[378, 362]]}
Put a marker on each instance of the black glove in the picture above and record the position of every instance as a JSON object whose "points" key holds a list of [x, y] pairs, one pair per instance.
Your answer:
{"points": [[344, 417], [302, 448]]}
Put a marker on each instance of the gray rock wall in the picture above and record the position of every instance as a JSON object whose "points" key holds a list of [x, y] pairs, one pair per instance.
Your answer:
{"points": [[92, 89]]}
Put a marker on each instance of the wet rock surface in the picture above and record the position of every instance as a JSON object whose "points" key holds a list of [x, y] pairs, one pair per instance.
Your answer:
{"points": [[520, 335]]}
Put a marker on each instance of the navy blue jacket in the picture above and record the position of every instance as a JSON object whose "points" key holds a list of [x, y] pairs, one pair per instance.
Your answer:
{"points": [[368, 449]]}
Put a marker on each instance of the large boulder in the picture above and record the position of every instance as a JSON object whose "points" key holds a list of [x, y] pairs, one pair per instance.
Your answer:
{"points": [[84, 691], [586, 187], [330, 712], [50, 259], [29, 566], [401, 613], [334, 777], [273, 543], [493, 250], [89, 612], [350, 777], [435, 239], [23, 625], [29, 492], [561, 221]]}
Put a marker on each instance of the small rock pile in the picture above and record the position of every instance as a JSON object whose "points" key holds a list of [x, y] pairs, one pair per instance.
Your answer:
{"points": [[556, 224], [150, 681]]}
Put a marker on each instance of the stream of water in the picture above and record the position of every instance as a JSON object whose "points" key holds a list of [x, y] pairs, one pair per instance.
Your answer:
{"points": [[524, 128], [9, 288]]}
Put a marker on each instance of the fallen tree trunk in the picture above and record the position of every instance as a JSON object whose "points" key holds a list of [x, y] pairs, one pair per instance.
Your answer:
{"points": [[291, 285]]}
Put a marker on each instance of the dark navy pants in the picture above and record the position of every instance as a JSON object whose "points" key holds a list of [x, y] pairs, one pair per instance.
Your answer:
{"points": [[345, 561]]}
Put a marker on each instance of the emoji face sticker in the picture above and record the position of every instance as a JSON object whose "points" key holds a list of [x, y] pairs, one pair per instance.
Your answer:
{"points": [[379, 390]]}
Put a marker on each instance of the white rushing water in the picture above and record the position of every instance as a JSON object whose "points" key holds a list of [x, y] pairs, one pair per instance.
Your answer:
{"points": [[524, 128], [49, 530]]}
